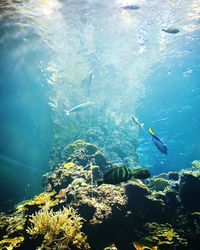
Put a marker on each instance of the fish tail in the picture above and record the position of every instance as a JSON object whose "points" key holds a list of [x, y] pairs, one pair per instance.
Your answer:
{"points": [[99, 182], [142, 125], [67, 112], [151, 131]]}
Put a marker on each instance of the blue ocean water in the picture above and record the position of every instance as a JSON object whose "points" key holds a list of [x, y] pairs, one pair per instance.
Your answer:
{"points": [[58, 54]]}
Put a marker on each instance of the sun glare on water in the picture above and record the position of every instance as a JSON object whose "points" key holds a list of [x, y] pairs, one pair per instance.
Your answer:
{"points": [[48, 7]]}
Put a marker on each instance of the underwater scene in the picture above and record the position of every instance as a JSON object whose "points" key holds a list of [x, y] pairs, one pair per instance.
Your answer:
{"points": [[100, 124]]}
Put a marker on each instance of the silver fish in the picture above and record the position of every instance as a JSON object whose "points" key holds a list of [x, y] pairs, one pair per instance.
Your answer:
{"points": [[88, 81], [136, 121], [78, 108]]}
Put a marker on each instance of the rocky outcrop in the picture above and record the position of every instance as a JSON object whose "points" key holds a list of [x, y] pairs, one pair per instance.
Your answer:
{"points": [[161, 213]]}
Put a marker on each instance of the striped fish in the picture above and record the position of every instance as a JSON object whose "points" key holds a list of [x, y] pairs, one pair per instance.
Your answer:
{"points": [[123, 174]]}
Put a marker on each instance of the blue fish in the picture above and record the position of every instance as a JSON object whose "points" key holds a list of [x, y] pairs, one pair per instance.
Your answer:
{"points": [[159, 144]]}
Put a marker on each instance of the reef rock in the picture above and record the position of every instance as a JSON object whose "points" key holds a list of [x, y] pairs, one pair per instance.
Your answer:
{"points": [[189, 191], [74, 213]]}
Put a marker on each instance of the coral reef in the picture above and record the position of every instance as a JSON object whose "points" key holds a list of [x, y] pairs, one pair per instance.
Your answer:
{"points": [[111, 134], [196, 164], [159, 184], [12, 229], [11, 243], [73, 212], [164, 236], [82, 154], [189, 184], [100, 201], [59, 229], [38, 202]]}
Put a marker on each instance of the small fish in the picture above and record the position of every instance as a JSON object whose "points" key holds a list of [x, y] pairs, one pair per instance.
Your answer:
{"points": [[60, 196], [87, 82], [136, 121], [159, 144], [171, 30], [123, 174], [78, 108], [131, 7]]}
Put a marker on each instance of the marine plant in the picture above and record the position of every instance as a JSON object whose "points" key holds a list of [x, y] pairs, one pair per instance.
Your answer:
{"points": [[58, 229]]}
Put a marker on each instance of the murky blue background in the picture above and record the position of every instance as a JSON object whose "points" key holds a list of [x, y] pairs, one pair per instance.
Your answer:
{"points": [[49, 49]]}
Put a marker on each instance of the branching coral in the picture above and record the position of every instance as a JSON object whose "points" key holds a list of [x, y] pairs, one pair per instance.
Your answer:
{"points": [[13, 227], [61, 228], [138, 246], [15, 224], [11, 243], [39, 201]]}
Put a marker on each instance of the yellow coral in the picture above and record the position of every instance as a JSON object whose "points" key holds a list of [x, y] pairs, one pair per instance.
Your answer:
{"points": [[164, 234], [15, 223], [138, 246], [11, 243], [169, 234], [58, 228], [69, 165], [39, 201], [112, 247]]}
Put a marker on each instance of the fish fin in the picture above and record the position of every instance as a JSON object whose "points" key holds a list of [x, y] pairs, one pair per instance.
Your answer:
{"points": [[142, 125], [67, 112], [99, 182], [151, 131]]}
